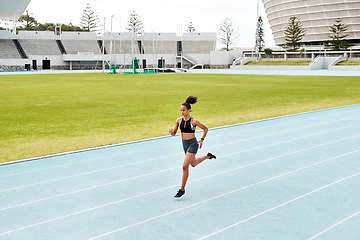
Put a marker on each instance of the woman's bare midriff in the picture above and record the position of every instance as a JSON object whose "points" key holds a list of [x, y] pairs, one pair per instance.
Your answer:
{"points": [[187, 136]]}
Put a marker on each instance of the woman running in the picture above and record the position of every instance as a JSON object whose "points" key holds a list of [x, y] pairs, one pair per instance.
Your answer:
{"points": [[187, 126]]}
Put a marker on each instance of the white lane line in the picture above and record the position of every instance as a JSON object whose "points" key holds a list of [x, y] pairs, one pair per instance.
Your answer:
{"points": [[333, 226], [281, 205], [168, 213], [86, 161], [289, 140], [111, 168], [222, 195], [132, 152], [89, 188], [194, 180], [287, 131], [86, 173]]}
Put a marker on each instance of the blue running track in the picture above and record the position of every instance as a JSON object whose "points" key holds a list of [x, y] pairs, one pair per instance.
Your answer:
{"points": [[293, 177]]}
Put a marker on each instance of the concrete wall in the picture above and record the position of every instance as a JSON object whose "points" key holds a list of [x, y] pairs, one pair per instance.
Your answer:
{"points": [[344, 68], [15, 62], [19, 64], [223, 59], [5, 34], [322, 63], [78, 36], [250, 67], [36, 35], [199, 58]]}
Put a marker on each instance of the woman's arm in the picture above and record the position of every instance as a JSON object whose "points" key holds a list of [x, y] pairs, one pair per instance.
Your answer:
{"points": [[174, 130], [203, 127]]}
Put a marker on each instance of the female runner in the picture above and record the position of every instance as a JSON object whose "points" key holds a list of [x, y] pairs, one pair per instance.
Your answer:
{"points": [[187, 126]]}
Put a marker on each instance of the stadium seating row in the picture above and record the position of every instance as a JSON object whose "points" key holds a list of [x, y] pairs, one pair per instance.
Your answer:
{"points": [[8, 49]]}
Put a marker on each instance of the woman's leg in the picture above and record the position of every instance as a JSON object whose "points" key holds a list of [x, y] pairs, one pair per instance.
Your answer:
{"points": [[189, 158], [197, 161]]}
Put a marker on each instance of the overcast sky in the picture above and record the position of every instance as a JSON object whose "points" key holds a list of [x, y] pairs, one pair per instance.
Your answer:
{"points": [[161, 15]]}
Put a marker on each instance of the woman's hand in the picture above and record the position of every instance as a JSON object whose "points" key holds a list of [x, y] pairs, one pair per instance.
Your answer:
{"points": [[171, 131], [200, 143]]}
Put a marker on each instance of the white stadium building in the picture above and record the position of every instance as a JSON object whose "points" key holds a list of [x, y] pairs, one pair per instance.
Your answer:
{"points": [[88, 50], [316, 17]]}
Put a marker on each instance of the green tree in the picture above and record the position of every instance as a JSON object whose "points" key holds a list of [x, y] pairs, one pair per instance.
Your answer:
{"points": [[259, 35], [268, 51], [135, 24], [228, 33], [191, 27], [89, 20], [46, 27], [72, 28], [294, 34], [30, 23], [338, 38]]}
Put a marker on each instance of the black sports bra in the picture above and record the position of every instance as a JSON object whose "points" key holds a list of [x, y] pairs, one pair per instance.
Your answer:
{"points": [[187, 126]]}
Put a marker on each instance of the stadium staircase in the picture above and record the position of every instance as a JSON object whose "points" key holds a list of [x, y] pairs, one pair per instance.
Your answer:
{"points": [[100, 43], [192, 62], [61, 47], [141, 47], [243, 60], [325, 62], [20, 49], [198, 66]]}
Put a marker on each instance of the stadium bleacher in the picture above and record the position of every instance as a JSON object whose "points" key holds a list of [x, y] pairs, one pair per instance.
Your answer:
{"points": [[198, 47], [81, 46], [198, 43], [120, 48], [8, 50], [85, 48], [40, 47]]}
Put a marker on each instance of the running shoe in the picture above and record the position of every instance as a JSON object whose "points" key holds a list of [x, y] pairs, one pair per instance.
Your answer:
{"points": [[211, 156], [179, 193]]}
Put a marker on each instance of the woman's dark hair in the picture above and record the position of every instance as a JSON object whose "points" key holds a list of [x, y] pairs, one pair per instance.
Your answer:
{"points": [[189, 100]]}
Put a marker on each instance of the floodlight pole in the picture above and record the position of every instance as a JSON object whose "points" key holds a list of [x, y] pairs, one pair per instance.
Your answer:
{"points": [[132, 52], [111, 40], [156, 51], [257, 32], [103, 47], [123, 64]]}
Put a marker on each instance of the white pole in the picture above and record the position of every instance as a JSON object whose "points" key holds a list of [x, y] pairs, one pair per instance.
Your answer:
{"points": [[111, 39], [141, 52], [154, 60], [156, 51], [162, 53], [103, 47], [132, 52], [120, 36], [257, 33], [123, 63]]}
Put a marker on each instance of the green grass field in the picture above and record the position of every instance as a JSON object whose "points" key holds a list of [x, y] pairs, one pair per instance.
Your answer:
{"points": [[46, 114], [349, 62]]}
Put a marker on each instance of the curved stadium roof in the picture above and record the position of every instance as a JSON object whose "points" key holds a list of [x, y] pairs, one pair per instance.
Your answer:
{"points": [[13, 9], [316, 17]]}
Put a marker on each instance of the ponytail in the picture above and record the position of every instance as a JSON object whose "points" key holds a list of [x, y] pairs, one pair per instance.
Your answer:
{"points": [[190, 100]]}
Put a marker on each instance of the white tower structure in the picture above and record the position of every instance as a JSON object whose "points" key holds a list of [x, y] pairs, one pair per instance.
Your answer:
{"points": [[11, 11]]}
